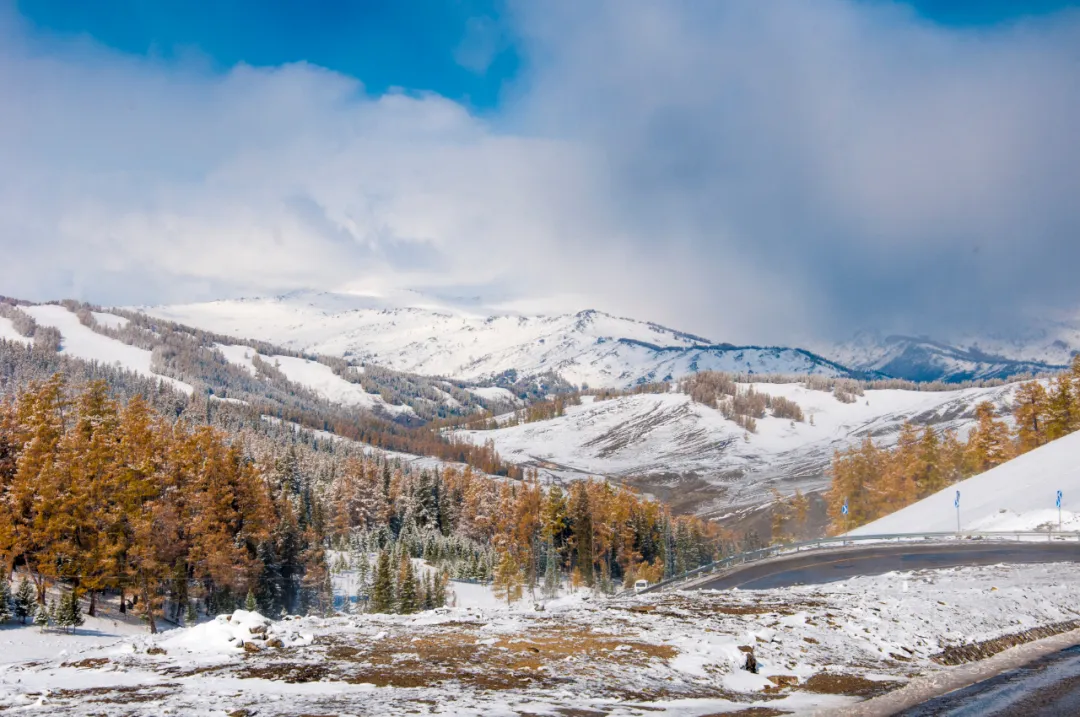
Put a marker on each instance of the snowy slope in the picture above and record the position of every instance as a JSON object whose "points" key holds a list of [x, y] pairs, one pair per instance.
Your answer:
{"points": [[8, 332], [668, 436], [589, 347], [1018, 495], [312, 375], [82, 342]]}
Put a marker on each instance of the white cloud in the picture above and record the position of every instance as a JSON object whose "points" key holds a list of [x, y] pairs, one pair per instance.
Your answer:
{"points": [[743, 170]]}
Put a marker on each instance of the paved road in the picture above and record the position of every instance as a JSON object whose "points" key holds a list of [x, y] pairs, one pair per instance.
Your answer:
{"points": [[1047, 687], [814, 568]]}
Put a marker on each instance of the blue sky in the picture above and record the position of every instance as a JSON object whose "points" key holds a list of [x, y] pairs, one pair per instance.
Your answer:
{"points": [[453, 47], [463, 49], [749, 171]]}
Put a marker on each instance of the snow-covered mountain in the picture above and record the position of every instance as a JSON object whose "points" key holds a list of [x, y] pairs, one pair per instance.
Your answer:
{"points": [[691, 456], [972, 358], [589, 347], [1017, 495]]}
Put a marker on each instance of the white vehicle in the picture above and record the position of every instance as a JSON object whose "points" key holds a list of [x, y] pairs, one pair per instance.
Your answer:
{"points": [[640, 585]]}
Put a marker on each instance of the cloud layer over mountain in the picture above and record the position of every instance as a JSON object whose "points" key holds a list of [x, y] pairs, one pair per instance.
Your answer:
{"points": [[750, 171]]}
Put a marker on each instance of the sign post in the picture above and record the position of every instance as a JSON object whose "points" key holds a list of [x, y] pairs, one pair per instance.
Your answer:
{"points": [[957, 504], [1059, 510], [844, 512]]}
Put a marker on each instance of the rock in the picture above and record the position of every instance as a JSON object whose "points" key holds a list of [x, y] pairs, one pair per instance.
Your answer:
{"points": [[155, 650], [751, 663], [258, 630], [251, 647], [275, 642], [746, 648]]}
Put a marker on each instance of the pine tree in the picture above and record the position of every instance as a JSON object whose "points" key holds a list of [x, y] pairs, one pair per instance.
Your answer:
{"points": [[25, 603], [382, 590], [440, 582], [191, 616], [508, 581], [43, 617], [5, 600], [429, 591], [249, 602], [408, 601], [61, 612], [72, 613]]}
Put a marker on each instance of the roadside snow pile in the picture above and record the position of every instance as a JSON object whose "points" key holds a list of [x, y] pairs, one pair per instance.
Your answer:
{"points": [[241, 631], [1018, 495]]}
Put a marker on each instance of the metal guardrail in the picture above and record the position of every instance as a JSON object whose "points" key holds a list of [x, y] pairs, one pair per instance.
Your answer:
{"points": [[772, 551]]}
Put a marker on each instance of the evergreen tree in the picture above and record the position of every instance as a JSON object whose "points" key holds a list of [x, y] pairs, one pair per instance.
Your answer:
{"points": [[581, 520], [439, 585], [191, 616], [5, 600], [42, 616], [72, 614], [25, 603], [249, 603], [408, 601], [382, 590]]}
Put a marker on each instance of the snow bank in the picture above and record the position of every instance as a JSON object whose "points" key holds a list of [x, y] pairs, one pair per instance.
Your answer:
{"points": [[229, 633], [1018, 495]]}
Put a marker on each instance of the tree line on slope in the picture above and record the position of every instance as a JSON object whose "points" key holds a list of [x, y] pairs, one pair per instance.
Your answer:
{"points": [[102, 495], [874, 481]]}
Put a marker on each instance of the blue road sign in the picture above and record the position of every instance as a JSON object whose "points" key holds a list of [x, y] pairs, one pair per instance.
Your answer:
{"points": [[844, 509], [957, 501], [1059, 499]]}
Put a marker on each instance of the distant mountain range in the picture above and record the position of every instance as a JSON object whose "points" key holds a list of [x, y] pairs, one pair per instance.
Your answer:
{"points": [[592, 348], [924, 359], [587, 348]]}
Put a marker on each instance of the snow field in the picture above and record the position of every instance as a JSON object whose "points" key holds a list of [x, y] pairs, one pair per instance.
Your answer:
{"points": [[675, 654], [1017, 495], [8, 332], [82, 342], [669, 433], [317, 377]]}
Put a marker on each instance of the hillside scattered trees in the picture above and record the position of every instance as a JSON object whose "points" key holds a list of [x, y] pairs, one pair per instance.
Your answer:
{"points": [[875, 481]]}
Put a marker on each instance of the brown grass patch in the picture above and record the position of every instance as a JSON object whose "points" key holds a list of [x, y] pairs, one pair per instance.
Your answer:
{"points": [[290, 672], [115, 695], [87, 664], [834, 683]]}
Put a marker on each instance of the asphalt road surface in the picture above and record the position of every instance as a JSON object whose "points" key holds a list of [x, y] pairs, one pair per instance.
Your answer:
{"points": [[1047, 687], [815, 568]]}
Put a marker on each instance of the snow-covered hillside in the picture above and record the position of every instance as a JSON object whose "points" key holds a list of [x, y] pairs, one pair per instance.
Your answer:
{"points": [[317, 377], [971, 358], [1018, 495], [665, 440], [589, 347], [82, 342]]}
